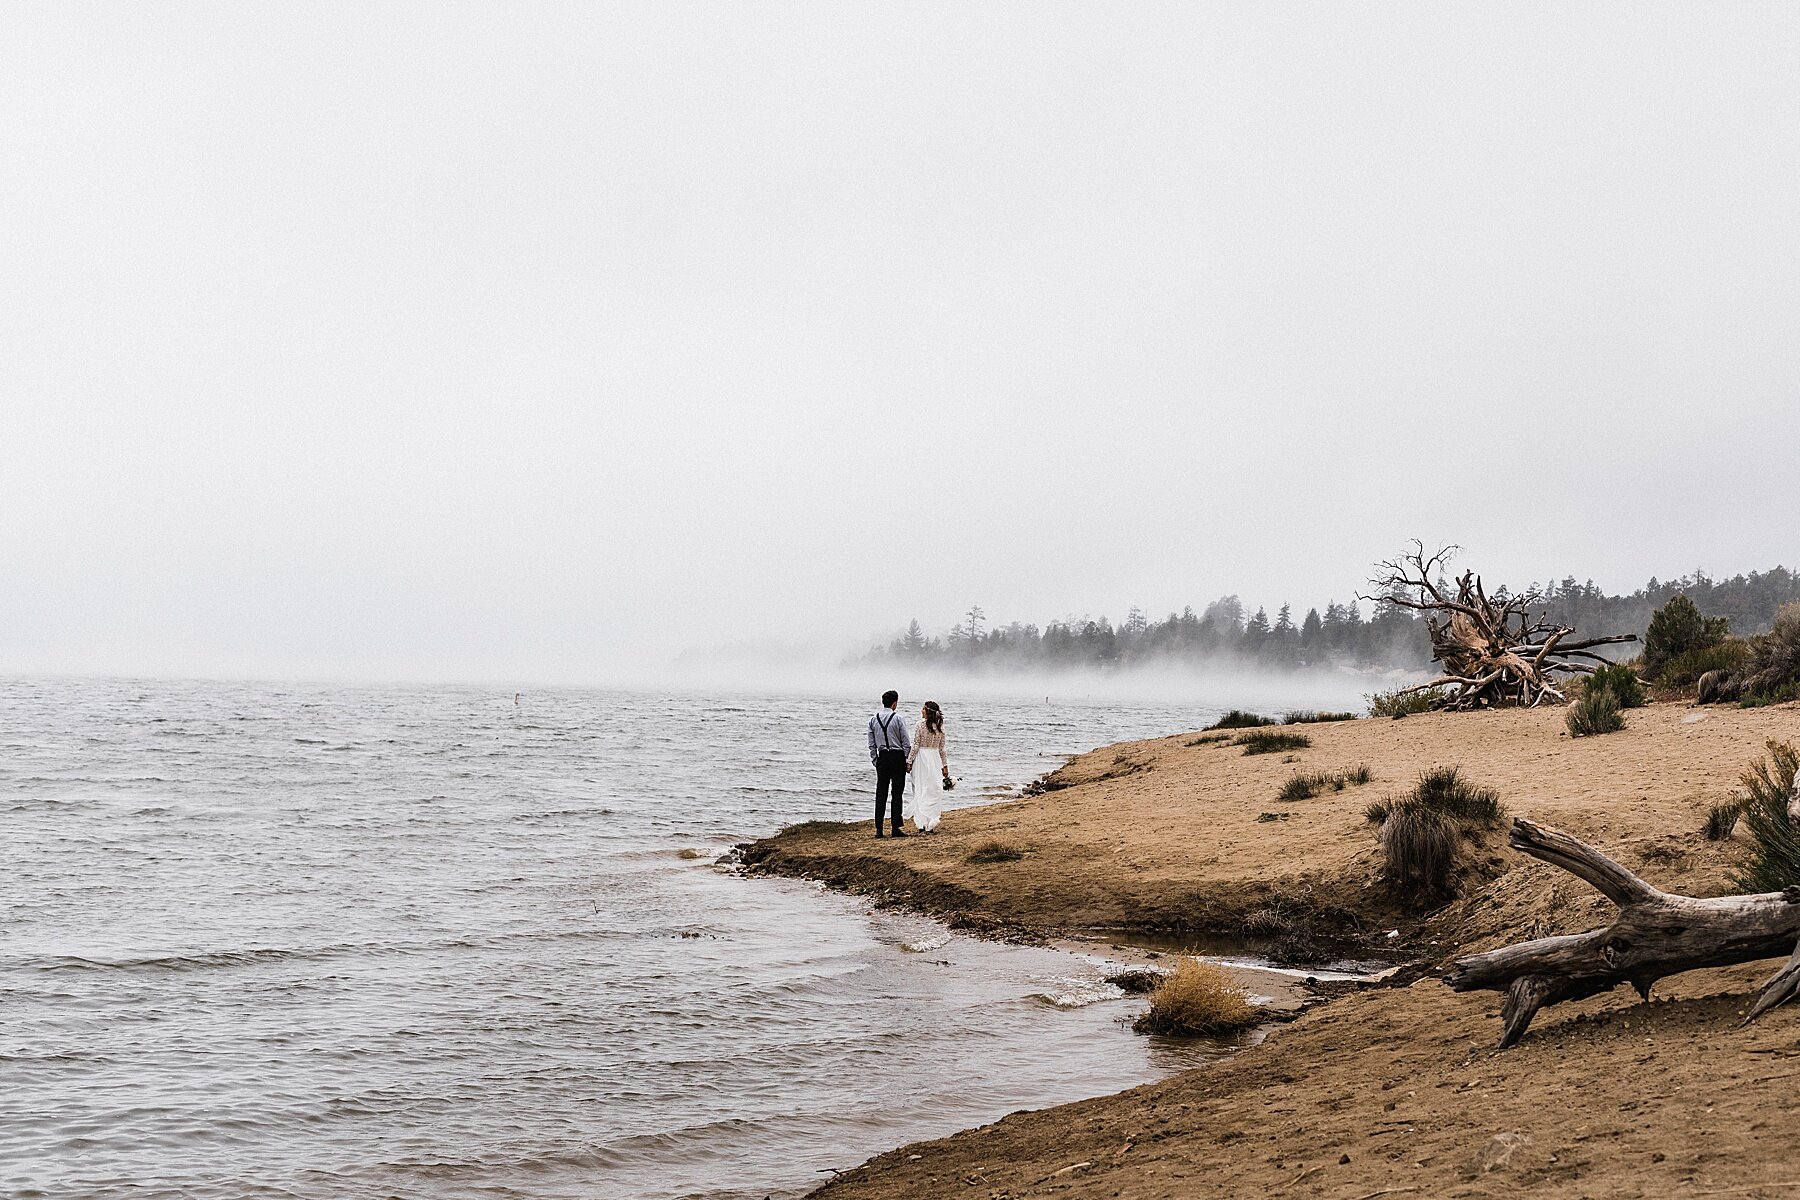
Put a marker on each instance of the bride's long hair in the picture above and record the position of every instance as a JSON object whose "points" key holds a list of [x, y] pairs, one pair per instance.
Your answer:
{"points": [[934, 717]]}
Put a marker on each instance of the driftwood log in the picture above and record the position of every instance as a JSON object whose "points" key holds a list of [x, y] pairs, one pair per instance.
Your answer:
{"points": [[1496, 650], [1656, 934]]}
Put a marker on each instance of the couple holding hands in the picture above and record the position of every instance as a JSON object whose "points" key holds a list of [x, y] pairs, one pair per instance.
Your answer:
{"points": [[895, 754]]}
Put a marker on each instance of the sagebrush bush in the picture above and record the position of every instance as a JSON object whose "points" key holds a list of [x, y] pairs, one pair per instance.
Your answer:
{"points": [[1401, 703], [1774, 857], [1677, 628], [1198, 998], [1685, 669], [994, 852], [1621, 681], [1237, 718], [1773, 660], [1596, 713], [1267, 741]]}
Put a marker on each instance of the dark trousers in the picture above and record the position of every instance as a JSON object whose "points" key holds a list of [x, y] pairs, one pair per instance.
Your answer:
{"points": [[890, 774]]}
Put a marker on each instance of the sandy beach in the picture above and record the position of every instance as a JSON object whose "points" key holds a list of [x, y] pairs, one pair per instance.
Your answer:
{"points": [[1386, 1090]]}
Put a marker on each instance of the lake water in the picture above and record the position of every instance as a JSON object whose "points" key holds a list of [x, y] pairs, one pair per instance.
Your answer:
{"points": [[320, 941]]}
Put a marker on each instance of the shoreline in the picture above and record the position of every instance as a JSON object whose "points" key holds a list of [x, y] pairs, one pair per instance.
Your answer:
{"points": [[1385, 1084]]}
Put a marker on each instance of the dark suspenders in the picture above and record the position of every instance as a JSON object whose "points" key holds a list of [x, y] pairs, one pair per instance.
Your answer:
{"points": [[886, 744]]}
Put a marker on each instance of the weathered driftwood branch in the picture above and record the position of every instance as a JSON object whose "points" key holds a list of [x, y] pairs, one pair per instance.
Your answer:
{"points": [[1496, 650], [1656, 934]]}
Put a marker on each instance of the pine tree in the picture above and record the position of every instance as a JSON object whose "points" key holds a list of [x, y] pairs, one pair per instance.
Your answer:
{"points": [[914, 641]]}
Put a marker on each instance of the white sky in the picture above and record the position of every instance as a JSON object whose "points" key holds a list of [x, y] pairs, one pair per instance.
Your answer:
{"points": [[549, 340]]}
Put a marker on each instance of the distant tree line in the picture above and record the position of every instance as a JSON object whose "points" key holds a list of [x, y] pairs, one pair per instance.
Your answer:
{"points": [[1365, 634]]}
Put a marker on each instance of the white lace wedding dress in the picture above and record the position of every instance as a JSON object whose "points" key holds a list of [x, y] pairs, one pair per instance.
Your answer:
{"points": [[927, 790]]}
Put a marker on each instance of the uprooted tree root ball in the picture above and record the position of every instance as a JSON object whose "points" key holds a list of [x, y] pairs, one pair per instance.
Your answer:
{"points": [[1497, 650]]}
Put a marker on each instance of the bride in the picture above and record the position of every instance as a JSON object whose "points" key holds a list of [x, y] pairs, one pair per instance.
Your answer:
{"points": [[933, 776]]}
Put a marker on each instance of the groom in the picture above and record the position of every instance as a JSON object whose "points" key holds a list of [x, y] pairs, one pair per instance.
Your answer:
{"points": [[889, 748]]}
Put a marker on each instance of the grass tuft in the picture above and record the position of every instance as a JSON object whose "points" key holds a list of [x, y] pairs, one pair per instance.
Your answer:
{"points": [[1446, 790], [1422, 832], [1237, 718], [1210, 739], [1304, 785], [1308, 717], [994, 852], [1722, 820], [1198, 998], [1264, 741], [1595, 713]]}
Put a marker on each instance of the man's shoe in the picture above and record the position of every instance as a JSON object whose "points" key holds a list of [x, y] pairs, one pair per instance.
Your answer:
{"points": [[899, 833], [881, 835]]}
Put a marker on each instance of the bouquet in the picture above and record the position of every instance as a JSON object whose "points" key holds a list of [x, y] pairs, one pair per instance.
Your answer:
{"points": [[949, 783]]}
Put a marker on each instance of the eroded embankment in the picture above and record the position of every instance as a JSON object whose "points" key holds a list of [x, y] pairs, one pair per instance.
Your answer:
{"points": [[1395, 1089]]}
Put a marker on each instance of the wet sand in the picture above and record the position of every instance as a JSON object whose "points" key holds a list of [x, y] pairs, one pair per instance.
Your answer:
{"points": [[1386, 1090]]}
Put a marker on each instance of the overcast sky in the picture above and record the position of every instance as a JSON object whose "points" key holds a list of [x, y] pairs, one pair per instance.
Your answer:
{"points": [[546, 341]]}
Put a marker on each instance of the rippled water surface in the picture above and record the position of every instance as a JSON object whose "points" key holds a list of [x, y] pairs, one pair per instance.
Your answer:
{"points": [[319, 941]]}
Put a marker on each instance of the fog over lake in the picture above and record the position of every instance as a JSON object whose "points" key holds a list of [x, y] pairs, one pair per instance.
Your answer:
{"points": [[548, 342]]}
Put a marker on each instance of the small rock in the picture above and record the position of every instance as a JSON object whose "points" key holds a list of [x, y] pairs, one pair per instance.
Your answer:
{"points": [[1343, 1160]]}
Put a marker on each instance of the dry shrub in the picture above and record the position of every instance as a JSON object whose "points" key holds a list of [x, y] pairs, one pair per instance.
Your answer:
{"points": [[994, 852], [1595, 713], [1198, 998]]}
